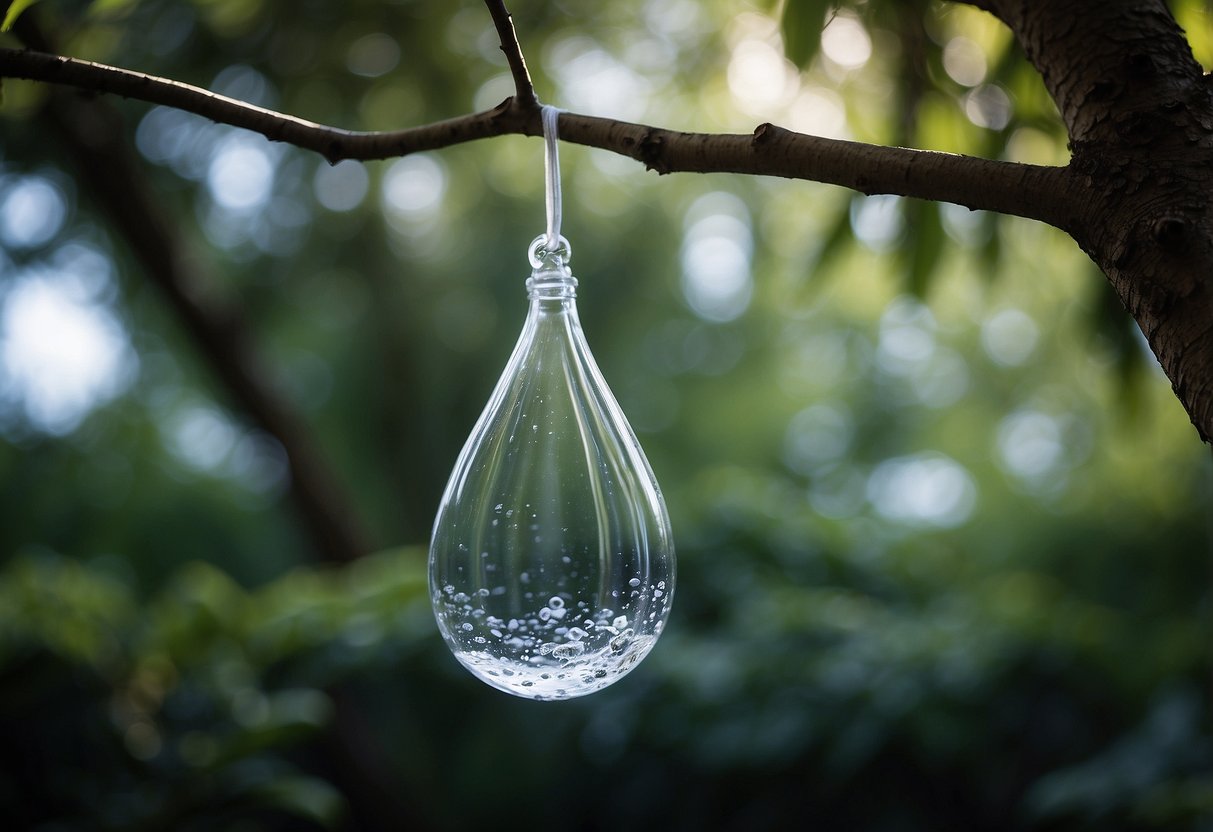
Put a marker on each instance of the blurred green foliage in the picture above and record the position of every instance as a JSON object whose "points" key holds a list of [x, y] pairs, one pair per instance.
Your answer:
{"points": [[943, 558], [175, 712]]}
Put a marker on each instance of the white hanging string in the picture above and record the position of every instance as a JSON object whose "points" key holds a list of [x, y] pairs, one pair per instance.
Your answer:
{"points": [[551, 172]]}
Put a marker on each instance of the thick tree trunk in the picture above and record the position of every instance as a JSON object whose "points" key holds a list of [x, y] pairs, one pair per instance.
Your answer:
{"points": [[1139, 112]]}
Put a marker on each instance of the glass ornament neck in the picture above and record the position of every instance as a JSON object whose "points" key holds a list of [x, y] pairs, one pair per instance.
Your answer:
{"points": [[550, 277], [551, 286]]}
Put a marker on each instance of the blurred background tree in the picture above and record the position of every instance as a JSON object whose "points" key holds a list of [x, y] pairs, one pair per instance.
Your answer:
{"points": [[943, 528]]}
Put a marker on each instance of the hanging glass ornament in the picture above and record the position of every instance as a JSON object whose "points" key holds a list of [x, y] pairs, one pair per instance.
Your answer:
{"points": [[551, 566]]}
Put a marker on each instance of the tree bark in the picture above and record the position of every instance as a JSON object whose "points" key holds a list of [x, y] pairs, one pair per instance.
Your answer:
{"points": [[1139, 113]]}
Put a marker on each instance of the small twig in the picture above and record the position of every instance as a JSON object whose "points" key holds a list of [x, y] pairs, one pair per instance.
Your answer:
{"points": [[524, 89]]}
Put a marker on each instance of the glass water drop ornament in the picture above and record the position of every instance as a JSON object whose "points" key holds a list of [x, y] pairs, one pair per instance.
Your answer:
{"points": [[552, 562]]}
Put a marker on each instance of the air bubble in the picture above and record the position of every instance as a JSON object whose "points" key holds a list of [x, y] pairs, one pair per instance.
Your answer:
{"points": [[570, 650], [621, 641]]}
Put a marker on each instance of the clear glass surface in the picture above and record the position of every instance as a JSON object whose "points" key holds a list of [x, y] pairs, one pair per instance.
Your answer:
{"points": [[552, 563]]}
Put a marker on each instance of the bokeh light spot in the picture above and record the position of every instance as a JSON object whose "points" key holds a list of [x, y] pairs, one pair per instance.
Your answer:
{"points": [[1029, 444], [373, 55], [341, 187], [1009, 337], [32, 211], [877, 221], [819, 434], [414, 185], [241, 174], [964, 61], [61, 355], [845, 42], [716, 278], [927, 489]]}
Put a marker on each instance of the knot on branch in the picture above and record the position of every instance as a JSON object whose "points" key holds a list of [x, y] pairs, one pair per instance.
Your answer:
{"points": [[764, 133], [1171, 232], [650, 151], [1141, 129], [334, 151]]}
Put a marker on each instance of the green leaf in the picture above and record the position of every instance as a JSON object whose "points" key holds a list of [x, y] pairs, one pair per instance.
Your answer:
{"points": [[15, 9], [801, 27], [835, 242], [304, 797], [1118, 334], [820, 268], [991, 249], [110, 8], [924, 241]]}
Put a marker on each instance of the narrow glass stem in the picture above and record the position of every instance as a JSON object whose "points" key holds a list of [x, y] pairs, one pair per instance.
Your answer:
{"points": [[551, 171]]}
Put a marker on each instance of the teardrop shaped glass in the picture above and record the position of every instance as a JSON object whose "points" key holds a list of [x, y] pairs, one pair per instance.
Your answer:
{"points": [[552, 562]]}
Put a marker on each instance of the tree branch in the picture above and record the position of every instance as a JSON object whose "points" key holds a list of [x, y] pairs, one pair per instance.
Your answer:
{"points": [[333, 143], [524, 90], [1006, 187]]}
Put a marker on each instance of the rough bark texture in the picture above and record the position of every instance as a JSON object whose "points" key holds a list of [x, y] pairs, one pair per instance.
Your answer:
{"points": [[1139, 112]]}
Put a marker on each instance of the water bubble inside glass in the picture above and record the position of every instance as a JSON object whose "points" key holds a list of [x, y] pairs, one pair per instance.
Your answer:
{"points": [[551, 566]]}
